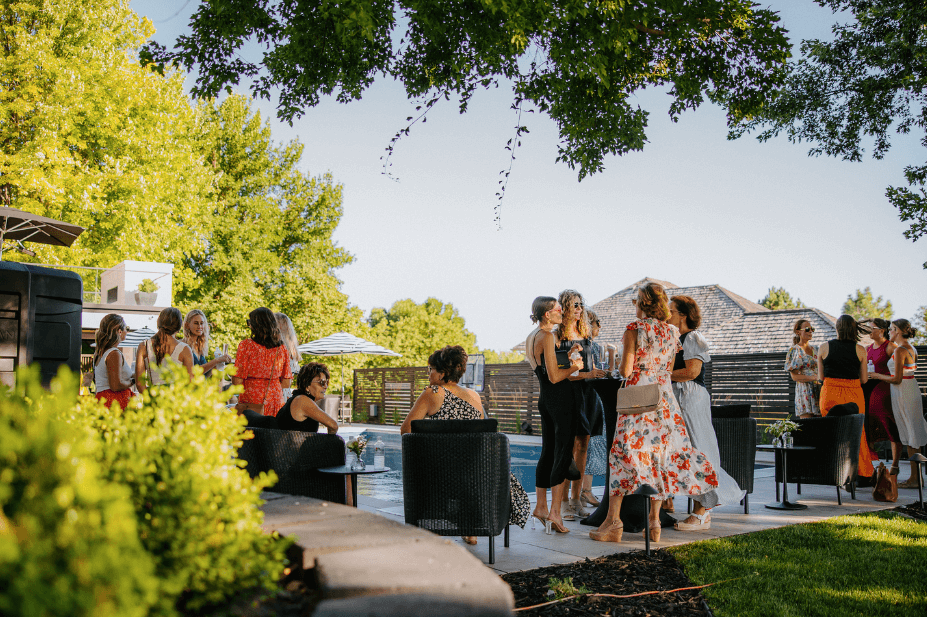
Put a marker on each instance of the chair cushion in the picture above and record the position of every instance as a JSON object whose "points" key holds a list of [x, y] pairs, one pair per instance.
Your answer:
{"points": [[730, 411], [846, 409], [455, 426]]}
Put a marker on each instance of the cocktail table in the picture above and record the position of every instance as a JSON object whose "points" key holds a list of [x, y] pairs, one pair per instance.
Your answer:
{"points": [[346, 470], [785, 504]]}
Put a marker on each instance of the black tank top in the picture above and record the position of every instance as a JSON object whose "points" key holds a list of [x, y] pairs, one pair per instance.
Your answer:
{"points": [[285, 419], [841, 361], [680, 363]]}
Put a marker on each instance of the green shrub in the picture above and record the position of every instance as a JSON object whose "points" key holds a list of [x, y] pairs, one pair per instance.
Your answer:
{"points": [[69, 542], [197, 509]]}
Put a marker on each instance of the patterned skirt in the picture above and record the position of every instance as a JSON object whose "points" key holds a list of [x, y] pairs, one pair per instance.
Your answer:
{"points": [[108, 396]]}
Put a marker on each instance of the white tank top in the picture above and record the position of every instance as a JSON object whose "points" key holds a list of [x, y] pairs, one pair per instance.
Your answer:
{"points": [[101, 375], [154, 368]]}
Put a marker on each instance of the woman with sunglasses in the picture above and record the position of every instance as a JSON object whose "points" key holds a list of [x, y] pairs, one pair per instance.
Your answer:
{"points": [[802, 364], [301, 411], [263, 365], [589, 420]]}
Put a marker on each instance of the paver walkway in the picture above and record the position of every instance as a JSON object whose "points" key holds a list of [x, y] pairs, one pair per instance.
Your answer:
{"points": [[532, 548]]}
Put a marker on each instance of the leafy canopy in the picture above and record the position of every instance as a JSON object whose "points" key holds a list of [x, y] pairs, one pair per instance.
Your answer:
{"points": [[920, 324], [778, 299], [864, 306], [855, 91], [578, 62], [418, 330]]}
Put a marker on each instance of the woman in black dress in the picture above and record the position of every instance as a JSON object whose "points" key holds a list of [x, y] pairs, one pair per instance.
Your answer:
{"points": [[575, 331], [300, 412], [557, 408]]}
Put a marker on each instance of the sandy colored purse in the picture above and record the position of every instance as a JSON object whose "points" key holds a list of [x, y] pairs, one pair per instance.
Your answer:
{"points": [[638, 399]]}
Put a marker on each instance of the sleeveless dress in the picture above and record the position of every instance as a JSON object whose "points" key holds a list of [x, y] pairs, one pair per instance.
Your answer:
{"points": [[654, 448], [285, 421], [590, 419], [557, 408], [907, 407], [695, 404], [881, 425], [455, 408], [154, 369], [597, 455], [806, 393]]}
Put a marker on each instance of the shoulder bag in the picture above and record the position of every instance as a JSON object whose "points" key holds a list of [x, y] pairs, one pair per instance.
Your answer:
{"points": [[638, 399]]}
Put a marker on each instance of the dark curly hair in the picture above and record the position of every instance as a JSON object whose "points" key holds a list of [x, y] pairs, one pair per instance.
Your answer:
{"points": [[652, 300], [450, 360], [688, 308], [309, 372], [264, 328]]}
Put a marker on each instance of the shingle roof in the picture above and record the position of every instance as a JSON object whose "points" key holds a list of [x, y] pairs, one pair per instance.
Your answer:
{"points": [[730, 322]]}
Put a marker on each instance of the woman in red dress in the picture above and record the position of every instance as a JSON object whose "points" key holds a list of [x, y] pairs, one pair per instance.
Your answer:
{"points": [[263, 365]]}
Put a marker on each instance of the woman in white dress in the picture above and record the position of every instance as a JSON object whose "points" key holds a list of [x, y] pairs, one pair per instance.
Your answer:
{"points": [[695, 403], [906, 395], [154, 354]]}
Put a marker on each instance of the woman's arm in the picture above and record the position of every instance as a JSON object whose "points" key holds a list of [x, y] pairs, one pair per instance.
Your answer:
{"points": [[238, 378], [899, 369], [305, 407], [186, 358], [693, 368], [113, 364], [554, 373], [863, 368], [798, 377], [629, 341], [214, 363], [427, 404], [822, 353], [140, 360]]}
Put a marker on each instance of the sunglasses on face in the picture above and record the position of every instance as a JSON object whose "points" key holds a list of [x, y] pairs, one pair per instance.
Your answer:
{"points": [[577, 305], [320, 382], [808, 329]]}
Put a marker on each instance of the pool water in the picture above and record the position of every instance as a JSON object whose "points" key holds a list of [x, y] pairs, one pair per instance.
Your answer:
{"points": [[388, 486]]}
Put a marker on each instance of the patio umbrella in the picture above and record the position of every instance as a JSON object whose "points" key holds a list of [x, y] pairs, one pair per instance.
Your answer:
{"points": [[135, 338], [17, 226], [343, 344]]}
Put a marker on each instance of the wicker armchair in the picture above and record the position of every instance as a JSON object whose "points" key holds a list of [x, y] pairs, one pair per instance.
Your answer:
{"points": [[296, 457], [737, 445], [457, 484], [835, 459]]}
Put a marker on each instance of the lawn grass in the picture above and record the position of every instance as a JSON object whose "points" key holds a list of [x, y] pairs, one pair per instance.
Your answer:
{"points": [[865, 564]]}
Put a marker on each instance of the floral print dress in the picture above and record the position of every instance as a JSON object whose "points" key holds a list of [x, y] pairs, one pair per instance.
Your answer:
{"points": [[455, 408], [653, 448], [806, 394]]}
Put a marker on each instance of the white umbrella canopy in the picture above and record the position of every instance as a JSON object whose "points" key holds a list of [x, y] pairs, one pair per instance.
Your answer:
{"points": [[135, 338], [343, 344]]}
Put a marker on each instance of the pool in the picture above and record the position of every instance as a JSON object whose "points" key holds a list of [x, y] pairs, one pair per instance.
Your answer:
{"points": [[387, 486]]}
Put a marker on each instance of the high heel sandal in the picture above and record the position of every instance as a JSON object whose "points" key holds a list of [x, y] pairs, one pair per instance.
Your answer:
{"points": [[612, 533], [704, 523], [654, 532], [558, 527], [668, 505], [893, 471], [586, 497], [542, 521]]}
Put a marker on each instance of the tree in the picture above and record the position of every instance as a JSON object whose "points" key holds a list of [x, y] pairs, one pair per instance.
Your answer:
{"points": [[842, 95], [578, 62], [418, 330], [268, 241], [778, 299], [502, 357], [864, 306], [920, 323], [90, 136]]}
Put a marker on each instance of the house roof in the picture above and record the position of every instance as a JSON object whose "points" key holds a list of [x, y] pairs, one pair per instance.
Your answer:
{"points": [[731, 323]]}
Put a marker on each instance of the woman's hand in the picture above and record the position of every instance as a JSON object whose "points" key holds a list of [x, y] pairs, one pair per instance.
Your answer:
{"points": [[597, 373]]}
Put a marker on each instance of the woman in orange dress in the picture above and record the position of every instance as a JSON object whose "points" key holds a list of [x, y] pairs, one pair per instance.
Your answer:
{"points": [[263, 365], [842, 368]]}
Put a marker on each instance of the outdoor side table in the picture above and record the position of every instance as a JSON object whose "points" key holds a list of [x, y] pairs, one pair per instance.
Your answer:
{"points": [[346, 470], [785, 504]]}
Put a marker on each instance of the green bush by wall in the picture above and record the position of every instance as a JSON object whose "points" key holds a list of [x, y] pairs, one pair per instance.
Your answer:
{"points": [[69, 541]]}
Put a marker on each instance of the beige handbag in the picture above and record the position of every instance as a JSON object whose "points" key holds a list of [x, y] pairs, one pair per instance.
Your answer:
{"points": [[638, 399]]}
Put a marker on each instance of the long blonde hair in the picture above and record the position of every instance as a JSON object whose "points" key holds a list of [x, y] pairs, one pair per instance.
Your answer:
{"points": [[199, 344], [288, 335], [567, 296], [107, 335]]}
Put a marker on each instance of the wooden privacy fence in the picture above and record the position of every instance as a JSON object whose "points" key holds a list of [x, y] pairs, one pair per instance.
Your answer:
{"points": [[511, 390]]}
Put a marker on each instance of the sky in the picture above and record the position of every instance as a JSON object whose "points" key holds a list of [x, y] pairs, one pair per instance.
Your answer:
{"points": [[692, 208]]}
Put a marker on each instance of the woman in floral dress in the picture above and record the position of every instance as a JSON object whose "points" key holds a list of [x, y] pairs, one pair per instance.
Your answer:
{"points": [[802, 364], [652, 448]]}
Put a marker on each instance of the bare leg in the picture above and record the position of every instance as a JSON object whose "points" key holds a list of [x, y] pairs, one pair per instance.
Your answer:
{"points": [[556, 498], [540, 509], [896, 453], [614, 510], [580, 452], [349, 491], [914, 470]]}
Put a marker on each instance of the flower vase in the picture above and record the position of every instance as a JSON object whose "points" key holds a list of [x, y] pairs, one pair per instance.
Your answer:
{"points": [[777, 441], [787, 441], [358, 464], [349, 459]]}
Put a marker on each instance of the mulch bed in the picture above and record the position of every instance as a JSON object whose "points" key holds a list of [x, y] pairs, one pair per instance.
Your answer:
{"points": [[620, 574]]}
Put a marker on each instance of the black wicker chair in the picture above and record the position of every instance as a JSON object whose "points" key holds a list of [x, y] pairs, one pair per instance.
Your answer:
{"points": [[296, 457], [737, 445], [835, 459], [456, 484]]}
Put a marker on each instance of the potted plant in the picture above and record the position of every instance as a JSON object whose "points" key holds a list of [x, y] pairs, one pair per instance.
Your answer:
{"points": [[147, 293], [781, 432]]}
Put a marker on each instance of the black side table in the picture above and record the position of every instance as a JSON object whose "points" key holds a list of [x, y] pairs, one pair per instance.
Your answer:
{"points": [[345, 470], [785, 504]]}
